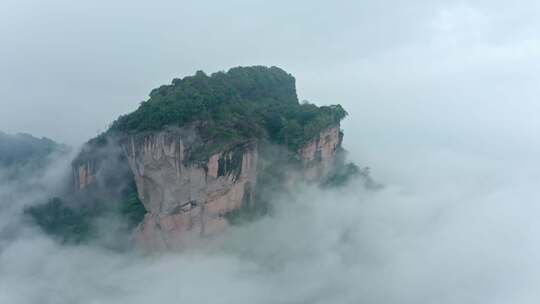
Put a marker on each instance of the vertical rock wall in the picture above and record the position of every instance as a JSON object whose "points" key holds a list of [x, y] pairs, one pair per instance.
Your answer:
{"points": [[84, 175], [186, 200], [318, 155]]}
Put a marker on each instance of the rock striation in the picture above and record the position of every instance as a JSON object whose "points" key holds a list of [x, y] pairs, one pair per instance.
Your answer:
{"points": [[84, 175], [187, 200], [318, 155]]}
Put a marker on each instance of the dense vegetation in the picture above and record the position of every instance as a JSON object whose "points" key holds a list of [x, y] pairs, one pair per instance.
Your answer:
{"points": [[233, 106], [58, 219], [70, 224]]}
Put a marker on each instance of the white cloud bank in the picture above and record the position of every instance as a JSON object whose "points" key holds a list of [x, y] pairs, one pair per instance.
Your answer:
{"points": [[467, 234]]}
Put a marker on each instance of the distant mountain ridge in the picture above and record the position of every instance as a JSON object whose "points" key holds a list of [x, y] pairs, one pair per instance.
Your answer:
{"points": [[23, 149]]}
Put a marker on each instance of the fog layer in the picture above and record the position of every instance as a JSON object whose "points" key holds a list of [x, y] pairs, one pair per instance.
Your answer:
{"points": [[468, 238]]}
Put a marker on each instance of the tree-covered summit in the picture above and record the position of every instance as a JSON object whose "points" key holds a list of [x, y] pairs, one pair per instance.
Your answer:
{"points": [[233, 106]]}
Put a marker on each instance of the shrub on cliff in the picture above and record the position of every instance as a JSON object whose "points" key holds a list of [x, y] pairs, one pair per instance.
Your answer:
{"points": [[70, 224], [57, 219]]}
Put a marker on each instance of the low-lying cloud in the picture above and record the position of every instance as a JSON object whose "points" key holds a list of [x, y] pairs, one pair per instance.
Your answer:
{"points": [[452, 240]]}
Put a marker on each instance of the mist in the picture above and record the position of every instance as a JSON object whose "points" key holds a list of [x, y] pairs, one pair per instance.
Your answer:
{"points": [[442, 98], [468, 240]]}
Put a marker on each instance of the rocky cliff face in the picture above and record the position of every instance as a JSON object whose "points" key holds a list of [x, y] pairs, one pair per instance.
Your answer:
{"points": [[84, 175], [186, 200], [319, 154], [189, 201]]}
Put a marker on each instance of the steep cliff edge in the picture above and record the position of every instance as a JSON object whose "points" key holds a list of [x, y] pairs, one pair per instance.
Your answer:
{"points": [[319, 155], [197, 149], [185, 199]]}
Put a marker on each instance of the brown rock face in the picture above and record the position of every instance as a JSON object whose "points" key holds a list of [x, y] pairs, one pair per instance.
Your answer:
{"points": [[319, 154], [84, 175], [186, 200]]}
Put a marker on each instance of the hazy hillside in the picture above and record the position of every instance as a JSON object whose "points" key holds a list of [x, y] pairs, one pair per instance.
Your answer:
{"points": [[22, 153]]}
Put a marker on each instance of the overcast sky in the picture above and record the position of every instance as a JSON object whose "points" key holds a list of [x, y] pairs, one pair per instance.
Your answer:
{"points": [[68, 68]]}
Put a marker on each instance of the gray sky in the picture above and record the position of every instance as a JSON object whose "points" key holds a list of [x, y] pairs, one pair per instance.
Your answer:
{"points": [[71, 67]]}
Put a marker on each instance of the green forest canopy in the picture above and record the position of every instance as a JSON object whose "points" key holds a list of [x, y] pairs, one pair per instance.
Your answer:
{"points": [[232, 106]]}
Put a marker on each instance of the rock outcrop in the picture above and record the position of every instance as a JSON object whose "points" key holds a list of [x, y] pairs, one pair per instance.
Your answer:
{"points": [[187, 200], [319, 154], [84, 175]]}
